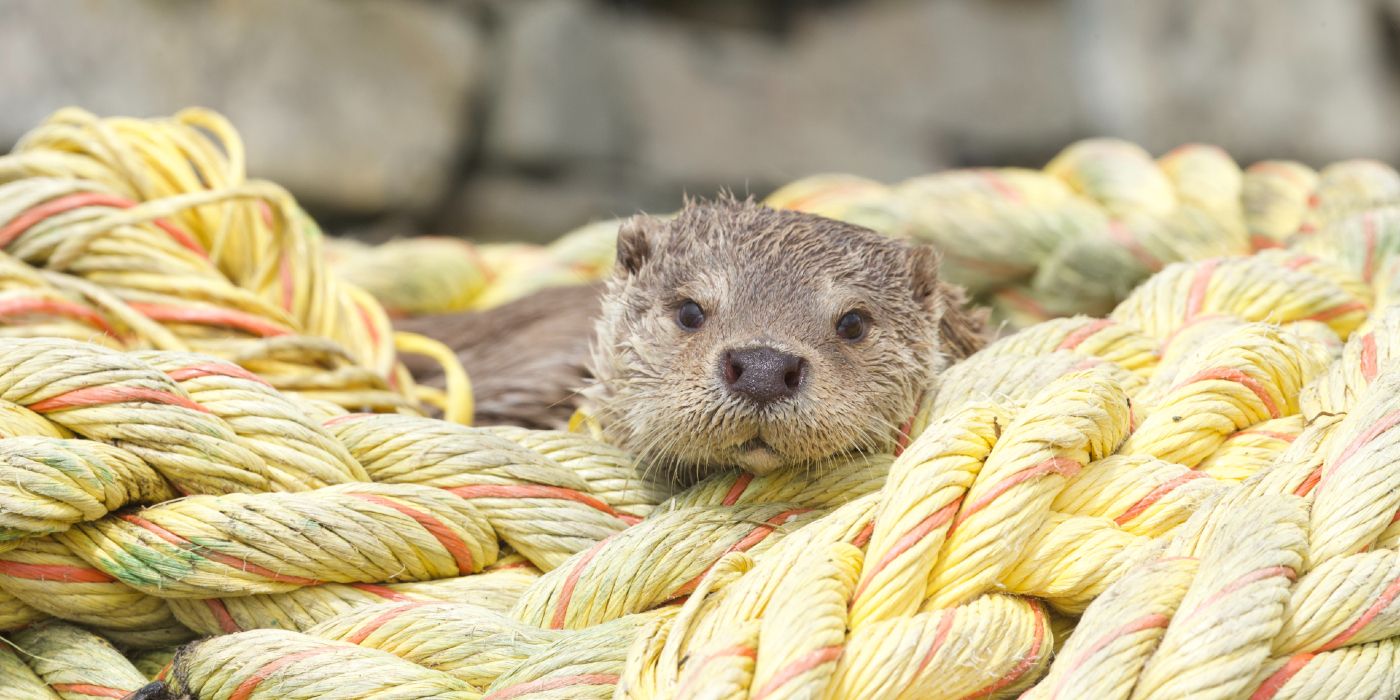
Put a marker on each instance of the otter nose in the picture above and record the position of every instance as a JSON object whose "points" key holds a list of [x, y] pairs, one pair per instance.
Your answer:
{"points": [[763, 374]]}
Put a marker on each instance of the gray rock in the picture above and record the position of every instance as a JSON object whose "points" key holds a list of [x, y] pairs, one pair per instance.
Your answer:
{"points": [[885, 90], [356, 106], [1301, 79], [499, 206], [554, 100]]}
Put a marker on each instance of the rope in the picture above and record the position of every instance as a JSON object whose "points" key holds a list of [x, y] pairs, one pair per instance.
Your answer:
{"points": [[75, 664], [50, 578], [470, 643], [1187, 492], [49, 484], [111, 396], [147, 234], [432, 275], [543, 510], [584, 664], [14, 614], [208, 546], [299, 453], [152, 661], [496, 588], [1245, 376], [583, 591], [20, 682], [268, 664], [610, 473], [458, 385]]}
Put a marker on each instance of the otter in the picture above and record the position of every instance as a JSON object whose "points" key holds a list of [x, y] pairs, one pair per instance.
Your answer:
{"points": [[731, 335]]}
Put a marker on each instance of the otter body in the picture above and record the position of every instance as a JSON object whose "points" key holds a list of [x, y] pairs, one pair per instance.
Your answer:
{"points": [[729, 335], [527, 359]]}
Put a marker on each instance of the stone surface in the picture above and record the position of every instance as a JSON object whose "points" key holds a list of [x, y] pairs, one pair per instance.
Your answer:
{"points": [[355, 106], [525, 117], [1265, 78], [554, 97], [888, 90], [506, 207]]}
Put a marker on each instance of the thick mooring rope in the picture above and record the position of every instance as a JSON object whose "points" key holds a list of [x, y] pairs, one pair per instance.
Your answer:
{"points": [[1187, 496], [147, 234]]}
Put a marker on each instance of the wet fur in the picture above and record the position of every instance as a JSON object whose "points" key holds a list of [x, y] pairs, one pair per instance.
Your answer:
{"points": [[776, 278], [526, 359], [763, 276]]}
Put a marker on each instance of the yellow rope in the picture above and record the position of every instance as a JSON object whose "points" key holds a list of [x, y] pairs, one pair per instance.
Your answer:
{"points": [[51, 484], [1190, 496], [15, 614], [206, 546], [75, 664], [50, 578], [268, 664], [495, 588], [21, 683], [468, 642], [147, 234], [523, 495], [457, 400]]}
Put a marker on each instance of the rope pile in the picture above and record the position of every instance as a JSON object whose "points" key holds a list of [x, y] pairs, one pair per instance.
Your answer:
{"points": [[261, 516], [146, 234], [1077, 236], [1191, 495], [433, 275], [1072, 238]]}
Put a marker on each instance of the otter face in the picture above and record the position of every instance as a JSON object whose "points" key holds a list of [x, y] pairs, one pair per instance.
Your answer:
{"points": [[737, 335]]}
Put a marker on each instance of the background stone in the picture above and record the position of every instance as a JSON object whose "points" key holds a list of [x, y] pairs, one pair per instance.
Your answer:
{"points": [[356, 106], [523, 118]]}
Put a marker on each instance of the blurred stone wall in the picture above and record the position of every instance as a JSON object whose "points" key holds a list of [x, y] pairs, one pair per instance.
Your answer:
{"points": [[524, 118]]}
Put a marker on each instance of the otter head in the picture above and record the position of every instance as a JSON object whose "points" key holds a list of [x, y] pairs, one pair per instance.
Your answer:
{"points": [[738, 335]]}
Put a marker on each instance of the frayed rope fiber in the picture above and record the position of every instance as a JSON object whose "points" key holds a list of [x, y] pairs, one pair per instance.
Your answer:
{"points": [[232, 494]]}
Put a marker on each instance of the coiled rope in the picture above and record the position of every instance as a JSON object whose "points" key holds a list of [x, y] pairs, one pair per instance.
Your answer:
{"points": [[1072, 238], [147, 234], [1190, 496]]}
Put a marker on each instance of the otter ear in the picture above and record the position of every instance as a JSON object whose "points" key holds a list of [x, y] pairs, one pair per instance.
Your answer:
{"points": [[962, 329], [923, 271], [634, 239]]}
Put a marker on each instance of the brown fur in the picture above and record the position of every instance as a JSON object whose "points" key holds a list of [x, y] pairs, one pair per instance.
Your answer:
{"points": [[776, 278], [526, 359]]}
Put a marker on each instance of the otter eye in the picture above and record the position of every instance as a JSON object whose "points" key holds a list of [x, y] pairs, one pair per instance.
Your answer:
{"points": [[690, 316], [853, 326]]}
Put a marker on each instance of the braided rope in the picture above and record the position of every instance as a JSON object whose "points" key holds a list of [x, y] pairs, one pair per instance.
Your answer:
{"points": [[1012, 379], [1119, 344], [147, 234], [1190, 497], [585, 664], [21, 683], [281, 665], [542, 509], [15, 614], [431, 275], [651, 563], [49, 484], [243, 544], [1247, 452], [1246, 376], [299, 453], [50, 578], [610, 473], [106, 395], [75, 664], [471, 643], [497, 589]]}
